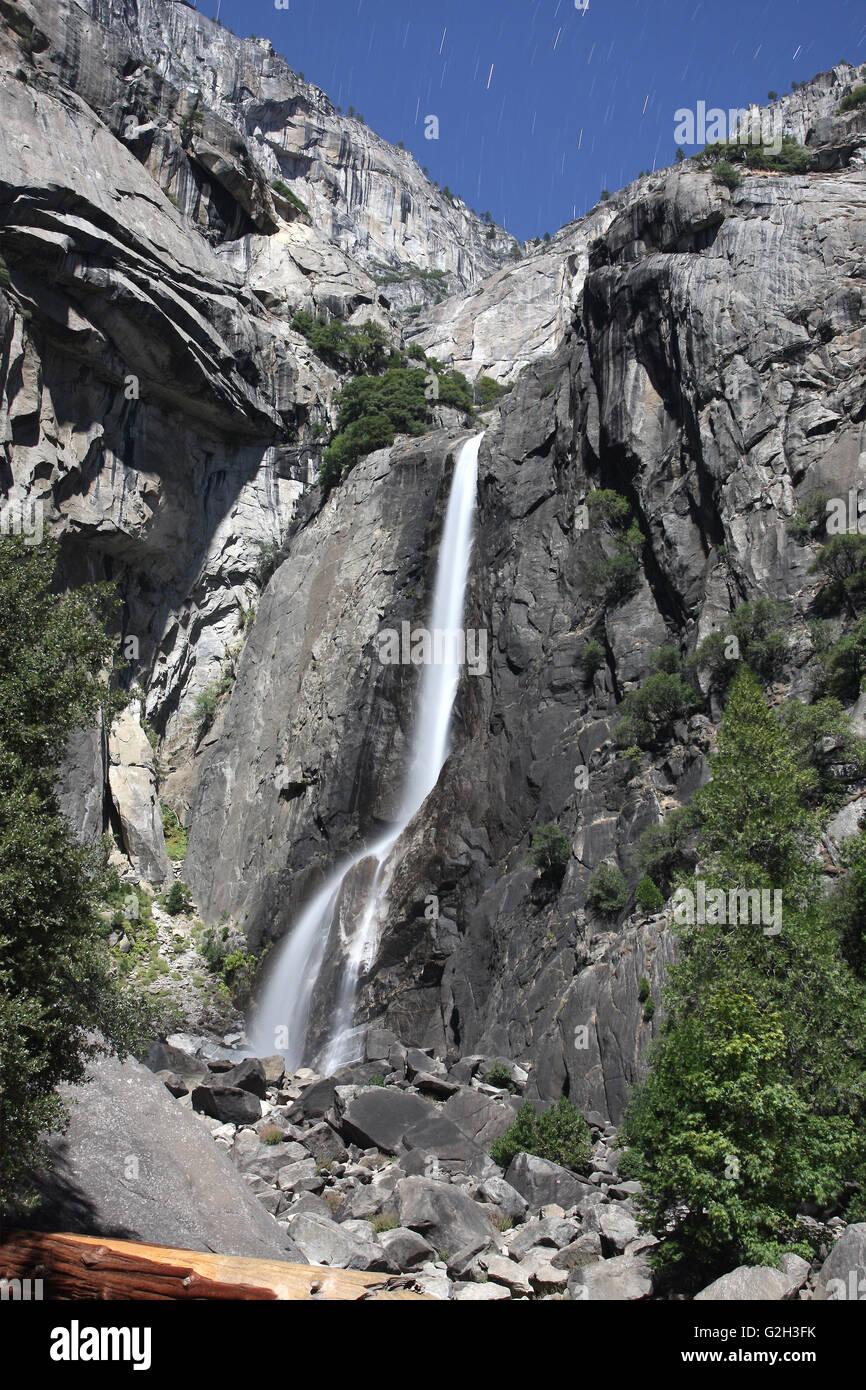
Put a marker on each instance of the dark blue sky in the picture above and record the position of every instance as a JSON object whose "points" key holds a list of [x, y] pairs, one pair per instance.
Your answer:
{"points": [[576, 101]]}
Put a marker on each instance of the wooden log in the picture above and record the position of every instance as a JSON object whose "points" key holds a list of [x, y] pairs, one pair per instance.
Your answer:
{"points": [[88, 1267]]}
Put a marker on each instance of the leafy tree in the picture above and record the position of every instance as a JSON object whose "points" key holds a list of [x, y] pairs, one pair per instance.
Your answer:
{"points": [[754, 1101], [593, 656], [845, 663], [455, 390], [178, 899], [665, 850], [852, 100], [604, 504], [58, 988], [845, 908], [616, 576], [809, 520], [607, 892]]}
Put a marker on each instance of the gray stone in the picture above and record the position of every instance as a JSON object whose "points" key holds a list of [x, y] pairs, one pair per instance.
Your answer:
{"points": [[842, 1276], [752, 1283], [444, 1215], [227, 1103], [327, 1243], [406, 1249], [381, 1116], [539, 1181], [186, 1193], [626, 1278]]}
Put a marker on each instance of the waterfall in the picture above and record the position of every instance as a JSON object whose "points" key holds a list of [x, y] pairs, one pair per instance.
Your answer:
{"points": [[282, 1013]]}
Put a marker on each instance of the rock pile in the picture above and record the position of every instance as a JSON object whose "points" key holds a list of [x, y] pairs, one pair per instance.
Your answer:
{"points": [[385, 1165]]}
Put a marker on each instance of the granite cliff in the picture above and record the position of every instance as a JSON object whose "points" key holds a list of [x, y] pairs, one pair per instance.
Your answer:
{"points": [[696, 349]]}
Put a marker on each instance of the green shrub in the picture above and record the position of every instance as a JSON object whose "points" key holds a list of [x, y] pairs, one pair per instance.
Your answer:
{"points": [[594, 656], [178, 899], [500, 1076], [726, 175], [759, 632], [615, 577], [647, 715], [607, 891], [454, 390], [283, 191], [633, 755], [845, 663], [648, 896], [665, 850], [560, 1135], [384, 1221], [643, 990], [271, 1134], [550, 850], [852, 100], [810, 519], [269, 555], [356, 350], [606, 505], [649, 1009], [377, 1079], [176, 836], [488, 390], [823, 741], [842, 562], [205, 708]]}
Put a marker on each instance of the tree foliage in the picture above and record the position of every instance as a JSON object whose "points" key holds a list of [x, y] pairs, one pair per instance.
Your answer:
{"points": [[58, 987], [753, 1106]]}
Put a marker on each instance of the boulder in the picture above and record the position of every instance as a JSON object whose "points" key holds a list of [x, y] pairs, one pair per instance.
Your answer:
{"points": [[539, 1181], [625, 1279], [503, 1271], [136, 1165], [229, 1104], [615, 1226], [444, 1215], [406, 1249], [843, 1273], [325, 1144], [750, 1283], [482, 1118], [162, 1056], [379, 1117], [480, 1293], [324, 1242], [248, 1075], [504, 1196]]}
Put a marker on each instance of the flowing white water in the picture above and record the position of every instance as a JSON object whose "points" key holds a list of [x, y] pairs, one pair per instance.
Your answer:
{"points": [[282, 1014]]}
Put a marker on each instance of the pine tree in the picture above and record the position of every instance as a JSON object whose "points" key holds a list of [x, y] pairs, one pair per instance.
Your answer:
{"points": [[755, 1093]]}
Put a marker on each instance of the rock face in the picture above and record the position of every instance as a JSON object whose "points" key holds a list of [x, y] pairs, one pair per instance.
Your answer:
{"points": [[132, 783], [697, 350]]}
